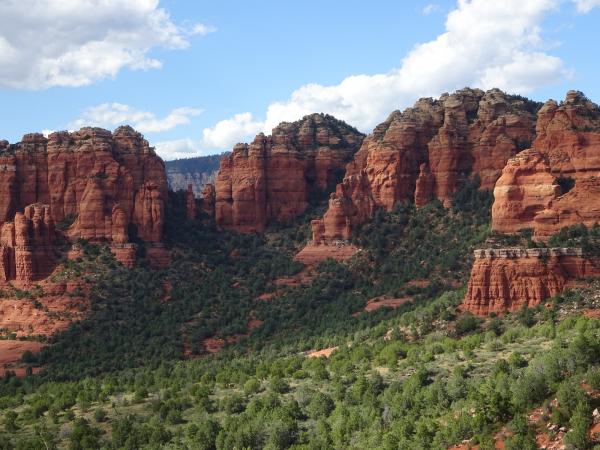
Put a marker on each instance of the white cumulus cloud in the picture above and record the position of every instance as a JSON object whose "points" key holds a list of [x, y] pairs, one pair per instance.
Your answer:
{"points": [[431, 8], [231, 131], [485, 44], [46, 43], [585, 6], [203, 29], [178, 148], [110, 115]]}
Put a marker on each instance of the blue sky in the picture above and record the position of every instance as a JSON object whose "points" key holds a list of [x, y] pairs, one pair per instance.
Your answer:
{"points": [[196, 76]]}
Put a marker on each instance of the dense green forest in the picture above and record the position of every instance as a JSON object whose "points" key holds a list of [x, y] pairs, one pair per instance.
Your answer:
{"points": [[422, 376]]}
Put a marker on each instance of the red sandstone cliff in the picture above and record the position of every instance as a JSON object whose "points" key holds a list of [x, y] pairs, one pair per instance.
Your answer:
{"points": [[508, 279], [273, 178], [533, 191], [26, 250], [94, 185], [426, 152]]}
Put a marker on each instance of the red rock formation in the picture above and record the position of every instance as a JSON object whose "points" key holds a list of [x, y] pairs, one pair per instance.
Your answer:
{"points": [[508, 279], [190, 203], [529, 193], [273, 178], [425, 187], [428, 151], [125, 253], [26, 251], [208, 199], [82, 176], [158, 255]]}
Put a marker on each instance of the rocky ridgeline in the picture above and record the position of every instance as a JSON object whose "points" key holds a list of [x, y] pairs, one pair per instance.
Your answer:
{"points": [[427, 152], [274, 177], [90, 184], [517, 252], [508, 279], [555, 183], [541, 160], [552, 185]]}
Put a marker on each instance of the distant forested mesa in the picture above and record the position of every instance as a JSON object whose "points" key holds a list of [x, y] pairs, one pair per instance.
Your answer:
{"points": [[196, 171]]}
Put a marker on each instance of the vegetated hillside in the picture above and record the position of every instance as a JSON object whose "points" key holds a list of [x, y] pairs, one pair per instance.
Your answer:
{"points": [[419, 376], [195, 171]]}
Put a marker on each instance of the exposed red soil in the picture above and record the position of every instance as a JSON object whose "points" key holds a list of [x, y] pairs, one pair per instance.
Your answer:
{"points": [[595, 432], [324, 353], [464, 446], [418, 283], [253, 324], [44, 315], [592, 313], [214, 344], [302, 278], [269, 295], [380, 302], [10, 354], [312, 254]]}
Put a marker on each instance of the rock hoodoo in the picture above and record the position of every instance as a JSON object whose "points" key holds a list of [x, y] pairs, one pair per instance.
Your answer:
{"points": [[508, 279], [274, 177], [26, 251], [190, 203], [428, 151], [555, 183], [90, 184], [208, 199]]}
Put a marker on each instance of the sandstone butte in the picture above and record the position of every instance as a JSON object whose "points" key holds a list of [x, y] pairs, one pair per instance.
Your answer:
{"points": [[427, 152], [552, 185], [273, 178], [89, 184], [555, 183], [508, 279]]}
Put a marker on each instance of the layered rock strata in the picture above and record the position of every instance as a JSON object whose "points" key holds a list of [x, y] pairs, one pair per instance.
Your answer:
{"points": [[555, 183], [95, 185], [508, 279], [273, 178], [26, 245], [428, 151]]}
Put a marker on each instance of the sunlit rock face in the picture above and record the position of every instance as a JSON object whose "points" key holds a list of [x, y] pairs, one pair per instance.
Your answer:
{"points": [[91, 184], [554, 184], [273, 178], [427, 152]]}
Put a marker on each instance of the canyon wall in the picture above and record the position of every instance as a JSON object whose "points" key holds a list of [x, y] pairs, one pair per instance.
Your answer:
{"points": [[555, 183], [89, 184], [427, 152], [273, 178], [26, 245], [508, 279]]}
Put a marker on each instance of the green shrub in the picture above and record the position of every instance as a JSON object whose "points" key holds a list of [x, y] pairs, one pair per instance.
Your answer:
{"points": [[466, 323]]}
